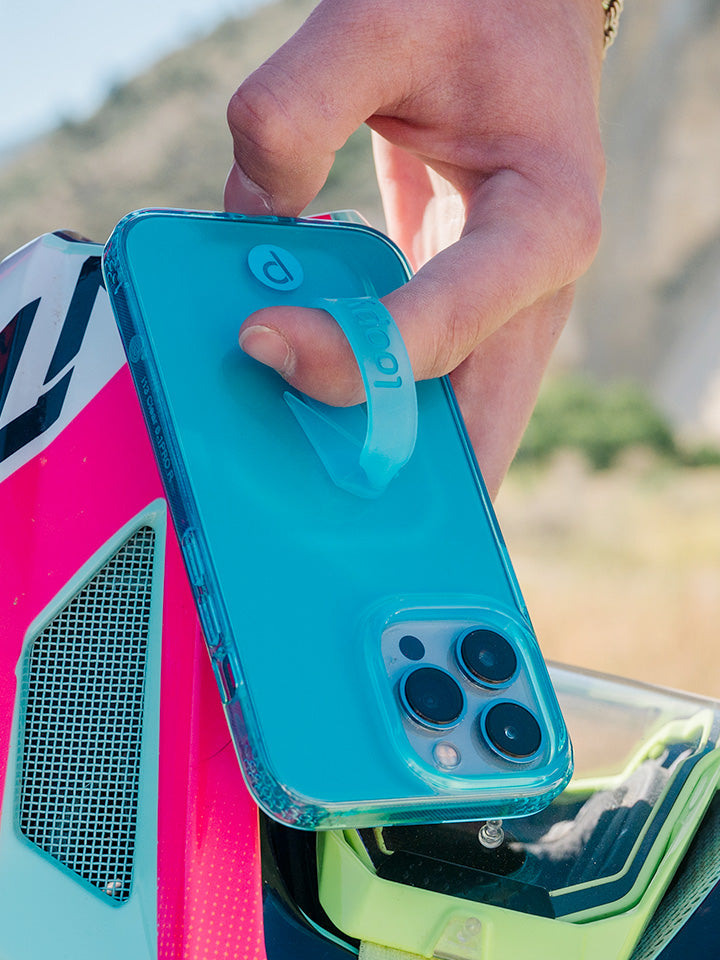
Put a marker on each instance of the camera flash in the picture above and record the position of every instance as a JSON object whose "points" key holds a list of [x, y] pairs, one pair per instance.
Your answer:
{"points": [[446, 755]]}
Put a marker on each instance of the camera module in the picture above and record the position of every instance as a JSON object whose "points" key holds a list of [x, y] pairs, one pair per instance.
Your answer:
{"points": [[511, 730], [432, 697], [486, 657]]}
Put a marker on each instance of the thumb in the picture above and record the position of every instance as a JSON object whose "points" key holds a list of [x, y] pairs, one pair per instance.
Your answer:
{"points": [[307, 348]]}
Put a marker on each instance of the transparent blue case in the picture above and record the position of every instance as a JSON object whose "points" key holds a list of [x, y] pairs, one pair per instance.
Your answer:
{"points": [[370, 643]]}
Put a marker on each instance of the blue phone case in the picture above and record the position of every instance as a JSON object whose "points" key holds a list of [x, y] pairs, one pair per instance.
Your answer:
{"points": [[343, 608]]}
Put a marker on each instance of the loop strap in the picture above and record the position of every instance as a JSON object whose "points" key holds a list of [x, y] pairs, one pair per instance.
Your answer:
{"points": [[365, 466]]}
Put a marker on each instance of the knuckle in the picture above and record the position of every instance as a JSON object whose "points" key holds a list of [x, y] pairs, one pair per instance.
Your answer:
{"points": [[260, 123], [443, 340], [567, 220], [588, 229], [581, 226]]}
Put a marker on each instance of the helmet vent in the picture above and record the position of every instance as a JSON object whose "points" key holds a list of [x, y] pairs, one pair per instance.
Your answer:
{"points": [[81, 726]]}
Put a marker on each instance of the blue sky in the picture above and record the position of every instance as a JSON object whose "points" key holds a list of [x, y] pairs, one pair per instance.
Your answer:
{"points": [[58, 58]]}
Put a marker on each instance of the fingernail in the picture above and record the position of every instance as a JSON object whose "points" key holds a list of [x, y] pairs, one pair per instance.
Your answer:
{"points": [[244, 195], [268, 347]]}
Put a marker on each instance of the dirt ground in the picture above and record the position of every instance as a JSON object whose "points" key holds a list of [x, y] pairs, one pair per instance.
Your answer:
{"points": [[621, 569]]}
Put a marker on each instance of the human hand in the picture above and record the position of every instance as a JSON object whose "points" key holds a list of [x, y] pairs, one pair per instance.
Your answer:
{"points": [[485, 133]]}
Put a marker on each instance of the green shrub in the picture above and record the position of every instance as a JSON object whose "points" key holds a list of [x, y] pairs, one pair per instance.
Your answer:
{"points": [[601, 421], [702, 456]]}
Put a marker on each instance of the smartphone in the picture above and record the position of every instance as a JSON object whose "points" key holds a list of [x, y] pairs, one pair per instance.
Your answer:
{"points": [[374, 655]]}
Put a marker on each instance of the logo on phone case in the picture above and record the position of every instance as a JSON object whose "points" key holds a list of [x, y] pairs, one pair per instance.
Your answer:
{"points": [[275, 267]]}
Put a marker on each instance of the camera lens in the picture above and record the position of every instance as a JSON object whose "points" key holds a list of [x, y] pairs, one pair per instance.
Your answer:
{"points": [[512, 730], [487, 657], [432, 696]]}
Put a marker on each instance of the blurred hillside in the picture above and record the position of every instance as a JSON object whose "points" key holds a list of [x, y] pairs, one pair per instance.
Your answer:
{"points": [[650, 307], [160, 140]]}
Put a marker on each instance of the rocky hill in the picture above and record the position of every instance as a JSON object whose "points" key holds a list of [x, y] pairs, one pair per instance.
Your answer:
{"points": [[160, 140], [648, 309], [650, 306]]}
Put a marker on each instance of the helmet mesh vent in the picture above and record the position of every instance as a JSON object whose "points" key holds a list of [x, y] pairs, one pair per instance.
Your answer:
{"points": [[81, 727]]}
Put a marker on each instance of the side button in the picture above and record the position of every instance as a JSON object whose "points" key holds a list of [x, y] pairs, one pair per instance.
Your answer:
{"points": [[210, 620], [191, 552], [225, 678]]}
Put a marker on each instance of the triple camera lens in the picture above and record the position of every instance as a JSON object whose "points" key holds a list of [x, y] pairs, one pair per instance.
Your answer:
{"points": [[432, 696], [512, 730], [487, 657]]}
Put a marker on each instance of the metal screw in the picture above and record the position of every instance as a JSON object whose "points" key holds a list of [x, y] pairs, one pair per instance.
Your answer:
{"points": [[491, 834]]}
